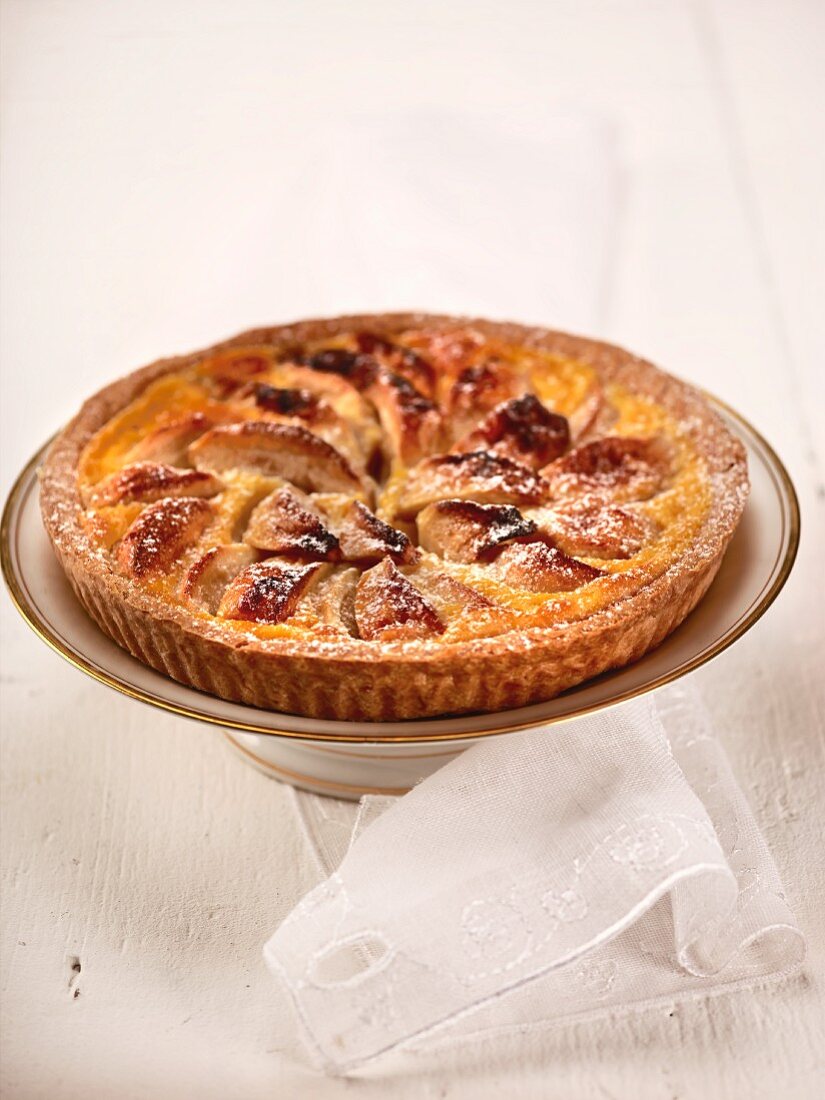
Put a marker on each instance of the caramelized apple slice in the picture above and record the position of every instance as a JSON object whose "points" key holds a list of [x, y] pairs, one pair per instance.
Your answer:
{"points": [[352, 365], [476, 391], [169, 443], [366, 538], [450, 597], [161, 534], [449, 352], [479, 476], [595, 529], [333, 388], [373, 354], [234, 367], [333, 599], [463, 530], [522, 429], [269, 591], [206, 580], [306, 408], [276, 450], [615, 467], [145, 482], [287, 401], [389, 608], [411, 422], [284, 523], [337, 392], [399, 359], [537, 567], [594, 418]]}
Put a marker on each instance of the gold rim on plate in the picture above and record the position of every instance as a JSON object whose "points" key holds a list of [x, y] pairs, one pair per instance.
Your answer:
{"points": [[44, 631]]}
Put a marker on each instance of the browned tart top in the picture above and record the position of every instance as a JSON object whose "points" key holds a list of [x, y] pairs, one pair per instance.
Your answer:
{"points": [[415, 486]]}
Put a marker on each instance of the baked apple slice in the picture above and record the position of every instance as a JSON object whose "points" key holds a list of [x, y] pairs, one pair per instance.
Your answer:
{"points": [[356, 368], [449, 352], [207, 579], [619, 468], [288, 401], [476, 391], [466, 531], [273, 449], [353, 409], [301, 406], [285, 523], [449, 596], [591, 411], [522, 429], [334, 388], [231, 369], [399, 359], [269, 591], [481, 476], [596, 529], [333, 600], [161, 534], [389, 608], [366, 538], [145, 482], [537, 567], [411, 422], [169, 442]]}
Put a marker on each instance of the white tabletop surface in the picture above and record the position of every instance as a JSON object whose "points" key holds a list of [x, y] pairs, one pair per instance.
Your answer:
{"points": [[143, 863]]}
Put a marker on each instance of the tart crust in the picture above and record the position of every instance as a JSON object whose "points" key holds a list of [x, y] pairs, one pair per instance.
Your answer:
{"points": [[343, 677]]}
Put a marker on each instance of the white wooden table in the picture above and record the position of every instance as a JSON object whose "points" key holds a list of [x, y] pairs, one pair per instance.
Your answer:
{"points": [[143, 863]]}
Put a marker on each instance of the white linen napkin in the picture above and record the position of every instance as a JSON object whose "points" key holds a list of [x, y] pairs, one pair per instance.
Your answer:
{"points": [[600, 864]]}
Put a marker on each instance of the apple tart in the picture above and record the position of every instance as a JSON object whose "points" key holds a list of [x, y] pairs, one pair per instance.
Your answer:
{"points": [[394, 516]]}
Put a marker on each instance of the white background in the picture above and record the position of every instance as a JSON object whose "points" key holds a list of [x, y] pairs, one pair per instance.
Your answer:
{"points": [[157, 158]]}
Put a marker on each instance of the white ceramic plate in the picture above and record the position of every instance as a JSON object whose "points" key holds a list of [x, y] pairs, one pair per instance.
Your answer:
{"points": [[348, 758]]}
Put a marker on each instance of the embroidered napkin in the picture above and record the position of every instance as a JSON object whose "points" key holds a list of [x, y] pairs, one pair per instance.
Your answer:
{"points": [[599, 864]]}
